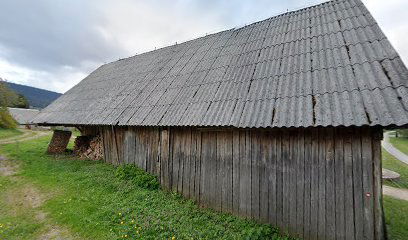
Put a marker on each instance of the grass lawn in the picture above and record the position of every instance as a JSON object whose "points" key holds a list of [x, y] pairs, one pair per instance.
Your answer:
{"points": [[88, 200], [396, 218], [7, 133], [391, 163], [401, 143]]}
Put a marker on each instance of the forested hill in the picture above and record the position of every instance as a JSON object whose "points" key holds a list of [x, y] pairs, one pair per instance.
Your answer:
{"points": [[37, 98]]}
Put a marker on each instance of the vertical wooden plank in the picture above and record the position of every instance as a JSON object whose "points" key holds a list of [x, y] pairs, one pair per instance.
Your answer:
{"points": [[272, 162], [307, 184], [236, 171], [300, 193], [349, 186], [186, 156], [176, 160], [279, 180], [180, 156], [193, 160], [285, 179], [314, 190], [220, 171], [265, 143], [213, 188], [367, 166], [322, 186], [358, 192], [255, 158], [378, 202], [204, 199], [330, 199], [227, 173], [294, 150], [339, 183], [164, 159], [198, 176], [245, 173]]}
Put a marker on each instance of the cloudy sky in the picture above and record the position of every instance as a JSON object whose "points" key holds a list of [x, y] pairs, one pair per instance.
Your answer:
{"points": [[54, 44]]}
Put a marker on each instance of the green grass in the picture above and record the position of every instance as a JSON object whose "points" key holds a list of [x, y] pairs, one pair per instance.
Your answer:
{"points": [[401, 143], [391, 163], [90, 199], [396, 218], [7, 133]]}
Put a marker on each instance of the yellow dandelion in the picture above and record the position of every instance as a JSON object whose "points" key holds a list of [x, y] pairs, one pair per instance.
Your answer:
{"points": [[173, 238], [121, 222], [125, 236]]}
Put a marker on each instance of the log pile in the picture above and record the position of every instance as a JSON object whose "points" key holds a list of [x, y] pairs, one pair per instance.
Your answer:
{"points": [[59, 142], [89, 147]]}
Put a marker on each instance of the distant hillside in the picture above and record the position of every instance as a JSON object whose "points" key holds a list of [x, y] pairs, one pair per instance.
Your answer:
{"points": [[37, 98]]}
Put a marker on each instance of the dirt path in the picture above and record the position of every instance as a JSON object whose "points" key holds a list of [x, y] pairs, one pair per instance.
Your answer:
{"points": [[392, 150], [27, 198], [396, 192], [26, 136]]}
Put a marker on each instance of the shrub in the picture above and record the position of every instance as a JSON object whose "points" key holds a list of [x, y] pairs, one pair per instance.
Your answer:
{"points": [[6, 120], [137, 176]]}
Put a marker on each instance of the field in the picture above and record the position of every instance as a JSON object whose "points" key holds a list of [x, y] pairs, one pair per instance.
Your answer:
{"points": [[42, 196]]}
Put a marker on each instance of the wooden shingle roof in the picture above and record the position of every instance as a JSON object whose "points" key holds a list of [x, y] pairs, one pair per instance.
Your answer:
{"points": [[326, 65]]}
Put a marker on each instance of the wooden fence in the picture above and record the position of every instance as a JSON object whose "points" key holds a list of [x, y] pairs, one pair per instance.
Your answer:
{"points": [[319, 183]]}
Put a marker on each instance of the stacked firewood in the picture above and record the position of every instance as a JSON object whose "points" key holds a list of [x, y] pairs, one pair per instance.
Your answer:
{"points": [[88, 147], [59, 142]]}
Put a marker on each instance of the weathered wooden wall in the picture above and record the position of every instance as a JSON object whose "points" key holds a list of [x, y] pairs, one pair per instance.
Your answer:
{"points": [[320, 183]]}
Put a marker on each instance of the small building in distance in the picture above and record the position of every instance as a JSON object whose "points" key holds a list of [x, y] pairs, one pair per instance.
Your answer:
{"points": [[24, 116]]}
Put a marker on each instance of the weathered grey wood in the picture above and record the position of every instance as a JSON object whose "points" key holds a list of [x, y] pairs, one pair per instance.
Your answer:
{"points": [[330, 187], [219, 171], [272, 162], [292, 167], [227, 202], [377, 171], [245, 180], [235, 171], [317, 183], [367, 161], [322, 186], [264, 169], [307, 184], [300, 193], [279, 181], [176, 145], [186, 158], [358, 192], [255, 162], [314, 186], [193, 161], [339, 184], [348, 190], [164, 158]]}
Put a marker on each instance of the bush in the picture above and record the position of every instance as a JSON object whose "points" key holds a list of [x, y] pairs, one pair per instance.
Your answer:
{"points": [[137, 176], [6, 120]]}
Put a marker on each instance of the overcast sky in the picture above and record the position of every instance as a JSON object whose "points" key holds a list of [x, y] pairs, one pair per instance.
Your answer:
{"points": [[54, 44]]}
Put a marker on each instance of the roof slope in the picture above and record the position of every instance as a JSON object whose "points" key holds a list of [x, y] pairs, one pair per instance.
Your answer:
{"points": [[22, 115], [327, 65]]}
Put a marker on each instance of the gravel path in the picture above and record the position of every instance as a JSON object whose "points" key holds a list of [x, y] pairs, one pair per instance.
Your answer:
{"points": [[392, 150], [398, 193]]}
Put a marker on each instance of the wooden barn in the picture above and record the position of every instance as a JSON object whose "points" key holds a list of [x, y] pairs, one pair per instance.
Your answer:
{"points": [[279, 121]]}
